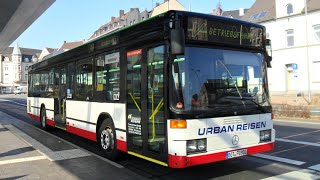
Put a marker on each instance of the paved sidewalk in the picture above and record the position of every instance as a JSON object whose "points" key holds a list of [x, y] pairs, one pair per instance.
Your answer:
{"points": [[22, 157]]}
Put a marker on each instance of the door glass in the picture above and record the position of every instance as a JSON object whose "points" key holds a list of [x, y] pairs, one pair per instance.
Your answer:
{"points": [[63, 91], [70, 90], [134, 97], [156, 128]]}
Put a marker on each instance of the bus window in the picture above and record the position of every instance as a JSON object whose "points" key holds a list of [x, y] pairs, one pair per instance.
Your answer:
{"points": [[51, 80], [70, 79], [107, 77], [84, 79], [156, 123]]}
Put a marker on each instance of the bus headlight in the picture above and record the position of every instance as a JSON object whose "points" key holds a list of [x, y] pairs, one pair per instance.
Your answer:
{"points": [[196, 146], [201, 145], [265, 135]]}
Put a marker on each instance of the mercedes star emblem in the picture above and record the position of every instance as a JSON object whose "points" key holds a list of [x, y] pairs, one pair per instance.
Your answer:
{"points": [[235, 140]]}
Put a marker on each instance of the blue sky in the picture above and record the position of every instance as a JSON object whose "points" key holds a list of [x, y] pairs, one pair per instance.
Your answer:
{"points": [[73, 20]]}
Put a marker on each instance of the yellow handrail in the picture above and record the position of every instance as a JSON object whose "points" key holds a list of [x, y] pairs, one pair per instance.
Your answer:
{"points": [[135, 102]]}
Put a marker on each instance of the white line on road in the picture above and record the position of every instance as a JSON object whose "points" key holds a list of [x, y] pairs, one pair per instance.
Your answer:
{"points": [[315, 167], [5, 100], [11, 161], [19, 103], [298, 142], [302, 174], [302, 134], [298, 122], [46, 151], [279, 159]]}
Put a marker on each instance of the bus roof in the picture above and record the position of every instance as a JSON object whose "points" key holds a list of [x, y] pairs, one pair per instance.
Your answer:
{"points": [[183, 13]]}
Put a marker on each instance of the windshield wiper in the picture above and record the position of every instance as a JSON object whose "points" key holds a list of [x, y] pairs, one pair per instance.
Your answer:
{"points": [[261, 108], [235, 83]]}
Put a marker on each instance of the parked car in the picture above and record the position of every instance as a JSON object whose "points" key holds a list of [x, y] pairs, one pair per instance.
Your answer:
{"points": [[21, 90]]}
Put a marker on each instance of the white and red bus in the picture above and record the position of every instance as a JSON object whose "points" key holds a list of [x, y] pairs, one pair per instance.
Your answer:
{"points": [[179, 89]]}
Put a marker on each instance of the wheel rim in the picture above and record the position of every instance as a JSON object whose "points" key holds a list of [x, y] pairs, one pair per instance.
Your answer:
{"points": [[43, 121], [106, 139]]}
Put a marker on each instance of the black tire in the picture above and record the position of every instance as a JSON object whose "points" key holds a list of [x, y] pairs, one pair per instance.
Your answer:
{"points": [[107, 139], [43, 117]]}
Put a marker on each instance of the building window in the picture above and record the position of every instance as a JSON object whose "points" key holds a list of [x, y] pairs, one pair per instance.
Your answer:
{"points": [[316, 30], [290, 37], [134, 21], [26, 77], [289, 9], [142, 18], [130, 22]]}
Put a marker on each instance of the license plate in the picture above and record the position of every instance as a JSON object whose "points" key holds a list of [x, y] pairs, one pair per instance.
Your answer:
{"points": [[237, 153]]}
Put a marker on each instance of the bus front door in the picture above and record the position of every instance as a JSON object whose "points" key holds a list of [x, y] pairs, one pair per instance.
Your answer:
{"points": [[60, 98], [146, 127]]}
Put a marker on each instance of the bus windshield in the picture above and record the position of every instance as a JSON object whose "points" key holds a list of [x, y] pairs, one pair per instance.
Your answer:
{"points": [[219, 81]]}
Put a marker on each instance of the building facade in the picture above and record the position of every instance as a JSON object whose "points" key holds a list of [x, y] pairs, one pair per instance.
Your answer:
{"points": [[295, 37], [14, 64], [134, 16]]}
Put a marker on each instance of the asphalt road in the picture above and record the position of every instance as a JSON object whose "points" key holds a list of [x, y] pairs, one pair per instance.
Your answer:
{"points": [[296, 155]]}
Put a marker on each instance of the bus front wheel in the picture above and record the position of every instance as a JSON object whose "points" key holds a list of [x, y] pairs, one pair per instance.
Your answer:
{"points": [[107, 139]]}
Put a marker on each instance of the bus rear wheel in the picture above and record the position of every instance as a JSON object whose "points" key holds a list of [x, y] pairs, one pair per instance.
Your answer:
{"points": [[107, 140], [43, 117]]}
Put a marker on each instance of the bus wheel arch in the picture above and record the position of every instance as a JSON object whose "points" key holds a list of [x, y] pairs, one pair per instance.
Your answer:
{"points": [[106, 136]]}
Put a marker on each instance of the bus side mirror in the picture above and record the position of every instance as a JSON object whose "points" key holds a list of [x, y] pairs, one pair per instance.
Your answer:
{"points": [[177, 41], [269, 53]]}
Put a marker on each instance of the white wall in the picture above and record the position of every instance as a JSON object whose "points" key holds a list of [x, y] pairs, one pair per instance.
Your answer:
{"points": [[282, 55]]}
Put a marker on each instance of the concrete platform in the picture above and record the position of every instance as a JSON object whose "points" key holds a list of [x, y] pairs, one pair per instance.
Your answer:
{"points": [[24, 157]]}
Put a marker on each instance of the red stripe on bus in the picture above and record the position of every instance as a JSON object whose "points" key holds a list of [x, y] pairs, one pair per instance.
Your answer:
{"points": [[122, 145], [185, 161], [83, 133], [35, 117], [50, 122]]}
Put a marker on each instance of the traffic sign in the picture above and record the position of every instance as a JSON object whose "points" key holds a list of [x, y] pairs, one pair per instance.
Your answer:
{"points": [[294, 66]]}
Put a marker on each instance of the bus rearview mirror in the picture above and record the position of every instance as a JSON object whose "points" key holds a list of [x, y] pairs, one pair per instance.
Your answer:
{"points": [[177, 41], [269, 53]]}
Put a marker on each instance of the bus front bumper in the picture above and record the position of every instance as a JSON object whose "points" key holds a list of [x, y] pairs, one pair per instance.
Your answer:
{"points": [[193, 160]]}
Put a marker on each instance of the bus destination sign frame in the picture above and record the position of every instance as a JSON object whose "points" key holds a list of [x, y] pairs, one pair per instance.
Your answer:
{"points": [[216, 31]]}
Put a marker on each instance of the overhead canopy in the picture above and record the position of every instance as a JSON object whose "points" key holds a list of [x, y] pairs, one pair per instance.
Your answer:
{"points": [[17, 16]]}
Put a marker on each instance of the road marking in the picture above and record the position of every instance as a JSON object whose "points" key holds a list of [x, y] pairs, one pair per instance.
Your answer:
{"points": [[315, 167], [302, 134], [52, 156], [302, 174], [279, 159], [19, 103], [278, 152], [298, 142], [11, 161], [298, 122], [5, 100]]}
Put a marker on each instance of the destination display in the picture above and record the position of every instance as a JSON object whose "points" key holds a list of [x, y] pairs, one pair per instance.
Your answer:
{"points": [[224, 32]]}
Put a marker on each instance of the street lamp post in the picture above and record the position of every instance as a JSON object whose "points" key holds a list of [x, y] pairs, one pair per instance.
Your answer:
{"points": [[307, 46]]}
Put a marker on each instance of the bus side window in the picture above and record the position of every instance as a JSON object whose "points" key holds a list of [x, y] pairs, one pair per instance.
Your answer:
{"points": [[84, 88], [107, 77]]}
